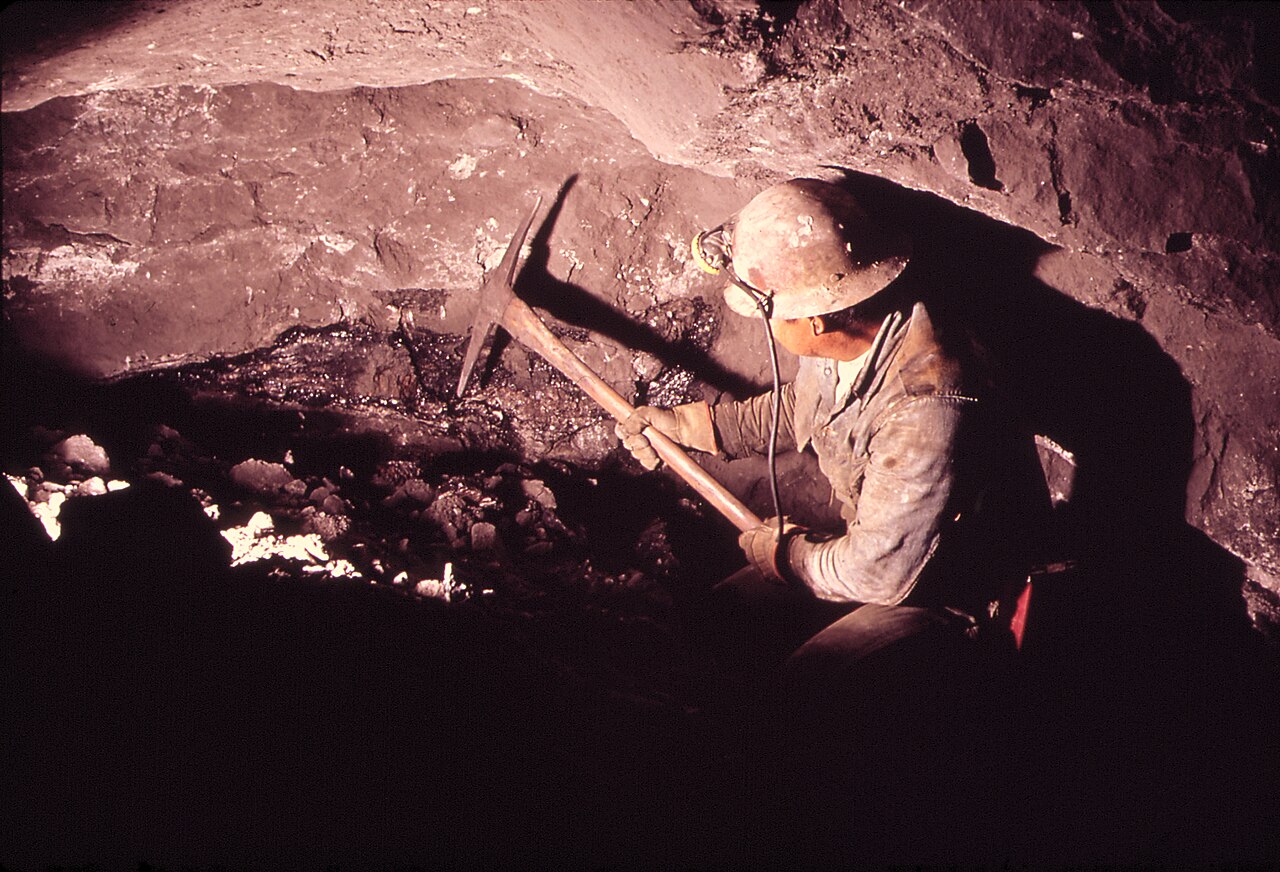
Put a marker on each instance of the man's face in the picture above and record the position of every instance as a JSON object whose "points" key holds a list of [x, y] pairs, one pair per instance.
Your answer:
{"points": [[816, 336]]}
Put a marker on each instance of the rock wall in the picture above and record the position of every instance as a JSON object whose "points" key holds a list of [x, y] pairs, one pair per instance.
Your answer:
{"points": [[172, 223], [190, 180]]}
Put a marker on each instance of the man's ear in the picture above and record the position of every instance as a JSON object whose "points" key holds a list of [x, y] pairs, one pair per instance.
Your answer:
{"points": [[818, 325]]}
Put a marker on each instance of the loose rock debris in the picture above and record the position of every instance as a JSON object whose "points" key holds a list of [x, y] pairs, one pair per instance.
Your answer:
{"points": [[327, 458], [46, 497]]}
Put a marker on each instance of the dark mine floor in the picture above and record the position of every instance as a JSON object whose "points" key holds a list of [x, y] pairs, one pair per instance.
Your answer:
{"points": [[164, 709]]}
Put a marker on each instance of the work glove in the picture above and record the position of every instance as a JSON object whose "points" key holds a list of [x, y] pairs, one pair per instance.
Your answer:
{"points": [[690, 425], [767, 551]]}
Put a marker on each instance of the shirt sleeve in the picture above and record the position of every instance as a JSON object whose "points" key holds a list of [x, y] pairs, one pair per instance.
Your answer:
{"points": [[742, 428], [906, 494]]}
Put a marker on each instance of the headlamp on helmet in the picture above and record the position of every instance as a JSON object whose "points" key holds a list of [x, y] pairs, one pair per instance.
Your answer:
{"points": [[713, 249]]}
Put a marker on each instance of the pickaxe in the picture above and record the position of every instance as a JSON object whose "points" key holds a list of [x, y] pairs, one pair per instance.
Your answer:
{"points": [[500, 305]]}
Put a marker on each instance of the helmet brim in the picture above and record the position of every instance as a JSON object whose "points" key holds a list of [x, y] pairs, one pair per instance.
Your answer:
{"points": [[840, 293]]}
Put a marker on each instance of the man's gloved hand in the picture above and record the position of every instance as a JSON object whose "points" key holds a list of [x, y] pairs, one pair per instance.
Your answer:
{"points": [[767, 551], [690, 425]]}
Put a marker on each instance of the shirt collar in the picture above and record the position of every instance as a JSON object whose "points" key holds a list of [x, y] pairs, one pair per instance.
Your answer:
{"points": [[847, 372]]}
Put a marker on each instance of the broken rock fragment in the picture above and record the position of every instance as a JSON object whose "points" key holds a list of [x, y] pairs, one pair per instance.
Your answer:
{"points": [[91, 487], [261, 477], [484, 537], [327, 526], [539, 492], [77, 457]]}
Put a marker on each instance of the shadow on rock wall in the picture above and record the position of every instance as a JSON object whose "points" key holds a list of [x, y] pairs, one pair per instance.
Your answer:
{"points": [[1100, 388], [682, 348], [1141, 684]]}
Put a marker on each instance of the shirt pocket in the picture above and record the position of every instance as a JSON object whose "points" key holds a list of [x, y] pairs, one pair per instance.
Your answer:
{"points": [[853, 487], [843, 456], [845, 473]]}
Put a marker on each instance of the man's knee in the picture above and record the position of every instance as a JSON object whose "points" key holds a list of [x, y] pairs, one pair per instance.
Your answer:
{"points": [[866, 630], [875, 663], [759, 622]]}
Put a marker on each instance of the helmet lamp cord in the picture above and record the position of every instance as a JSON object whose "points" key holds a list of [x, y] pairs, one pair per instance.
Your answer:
{"points": [[714, 259], [764, 303]]}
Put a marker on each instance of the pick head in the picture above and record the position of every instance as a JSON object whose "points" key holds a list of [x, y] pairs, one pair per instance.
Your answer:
{"points": [[497, 291]]}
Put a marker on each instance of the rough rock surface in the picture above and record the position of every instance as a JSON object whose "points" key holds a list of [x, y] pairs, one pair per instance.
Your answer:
{"points": [[190, 180], [272, 579]]}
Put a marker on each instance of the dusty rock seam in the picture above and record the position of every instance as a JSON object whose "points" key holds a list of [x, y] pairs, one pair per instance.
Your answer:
{"points": [[99, 238], [1061, 89], [1072, 86], [1214, 453], [1066, 214], [1181, 293]]}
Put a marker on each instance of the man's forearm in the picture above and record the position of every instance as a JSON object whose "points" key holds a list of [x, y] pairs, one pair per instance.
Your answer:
{"points": [[742, 428]]}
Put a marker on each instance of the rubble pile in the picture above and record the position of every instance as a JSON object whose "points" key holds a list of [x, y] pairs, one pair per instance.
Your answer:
{"points": [[418, 494]]}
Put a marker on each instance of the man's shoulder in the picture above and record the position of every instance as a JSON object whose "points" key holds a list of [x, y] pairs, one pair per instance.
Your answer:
{"points": [[925, 365]]}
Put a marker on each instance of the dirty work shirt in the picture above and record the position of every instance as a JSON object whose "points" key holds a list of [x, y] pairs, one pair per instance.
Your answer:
{"points": [[889, 442]]}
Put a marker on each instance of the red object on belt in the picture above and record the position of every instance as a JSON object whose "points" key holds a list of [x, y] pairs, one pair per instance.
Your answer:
{"points": [[1018, 623]]}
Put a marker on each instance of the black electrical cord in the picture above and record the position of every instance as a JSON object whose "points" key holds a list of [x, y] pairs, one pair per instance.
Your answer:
{"points": [[776, 420], [713, 253], [764, 302]]}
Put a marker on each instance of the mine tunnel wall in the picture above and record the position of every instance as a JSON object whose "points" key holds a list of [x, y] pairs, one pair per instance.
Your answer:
{"points": [[1096, 179]]}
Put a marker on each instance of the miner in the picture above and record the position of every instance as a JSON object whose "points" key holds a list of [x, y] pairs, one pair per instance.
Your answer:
{"points": [[898, 409]]}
